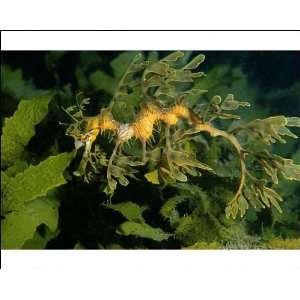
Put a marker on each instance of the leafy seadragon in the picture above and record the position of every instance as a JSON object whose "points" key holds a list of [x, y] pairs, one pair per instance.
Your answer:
{"points": [[153, 115]]}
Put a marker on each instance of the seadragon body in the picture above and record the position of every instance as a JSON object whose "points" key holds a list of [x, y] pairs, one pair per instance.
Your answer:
{"points": [[142, 129]]}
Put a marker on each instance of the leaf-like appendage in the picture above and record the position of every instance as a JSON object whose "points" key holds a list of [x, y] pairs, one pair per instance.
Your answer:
{"points": [[293, 121], [240, 204], [20, 128], [174, 56], [119, 171], [181, 76], [35, 181], [272, 129], [143, 230], [126, 106], [19, 226], [160, 68], [182, 158], [288, 169], [231, 104], [152, 177], [181, 163], [274, 164], [131, 211], [195, 62], [216, 107], [256, 194]]}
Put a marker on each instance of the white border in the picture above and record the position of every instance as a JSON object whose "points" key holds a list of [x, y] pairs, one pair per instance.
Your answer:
{"points": [[155, 14], [211, 274], [150, 40]]}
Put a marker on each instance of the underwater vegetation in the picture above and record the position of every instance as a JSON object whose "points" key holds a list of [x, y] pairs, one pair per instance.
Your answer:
{"points": [[151, 152]]}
